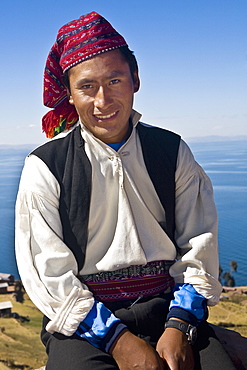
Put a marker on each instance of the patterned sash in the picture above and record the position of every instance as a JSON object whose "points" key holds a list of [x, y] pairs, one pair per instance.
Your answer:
{"points": [[132, 282]]}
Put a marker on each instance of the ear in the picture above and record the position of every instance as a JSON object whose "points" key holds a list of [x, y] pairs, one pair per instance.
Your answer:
{"points": [[70, 99], [136, 81]]}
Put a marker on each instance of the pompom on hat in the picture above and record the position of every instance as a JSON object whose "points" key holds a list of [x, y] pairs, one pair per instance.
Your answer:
{"points": [[76, 41]]}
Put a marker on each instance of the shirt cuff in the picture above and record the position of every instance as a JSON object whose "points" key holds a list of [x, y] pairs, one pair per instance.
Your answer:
{"points": [[188, 305], [100, 327]]}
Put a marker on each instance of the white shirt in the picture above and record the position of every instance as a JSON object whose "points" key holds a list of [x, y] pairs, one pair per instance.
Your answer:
{"points": [[123, 229]]}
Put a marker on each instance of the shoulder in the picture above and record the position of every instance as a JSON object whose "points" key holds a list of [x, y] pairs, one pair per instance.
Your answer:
{"points": [[58, 144], [37, 178], [186, 163], [158, 137], [56, 153], [150, 130], [159, 144], [185, 154], [42, 165], [188, 168]]}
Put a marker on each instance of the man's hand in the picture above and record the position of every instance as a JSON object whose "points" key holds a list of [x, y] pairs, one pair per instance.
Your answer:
{"points": [[131, 352], [175, 349]]}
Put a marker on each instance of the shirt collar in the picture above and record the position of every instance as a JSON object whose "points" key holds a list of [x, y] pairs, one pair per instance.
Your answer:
{"points": [[135, 117]]}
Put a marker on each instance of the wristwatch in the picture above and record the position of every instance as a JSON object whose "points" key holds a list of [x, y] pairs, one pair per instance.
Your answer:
{"points": [[189, 330]]}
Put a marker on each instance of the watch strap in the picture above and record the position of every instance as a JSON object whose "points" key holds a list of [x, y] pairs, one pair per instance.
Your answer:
{"points": [[187, 329]]}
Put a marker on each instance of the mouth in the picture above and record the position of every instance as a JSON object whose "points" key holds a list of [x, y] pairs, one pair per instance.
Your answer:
{"points": [[104, 117]]}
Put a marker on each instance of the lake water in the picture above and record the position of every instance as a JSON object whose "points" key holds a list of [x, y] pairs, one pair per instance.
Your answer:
{"points": [[224, 162], [226, 165]]}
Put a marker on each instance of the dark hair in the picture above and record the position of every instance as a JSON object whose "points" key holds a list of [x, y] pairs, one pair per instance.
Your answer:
{"points": [[128, 56], [130, 59]]}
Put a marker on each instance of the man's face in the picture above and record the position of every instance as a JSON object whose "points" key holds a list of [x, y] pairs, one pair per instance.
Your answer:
{"points": [[102, 91]]}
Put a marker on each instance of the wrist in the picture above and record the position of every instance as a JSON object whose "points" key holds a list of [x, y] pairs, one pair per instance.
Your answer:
{"points": [[186, 328], [116, 345], [178, 319], [181, 314]]}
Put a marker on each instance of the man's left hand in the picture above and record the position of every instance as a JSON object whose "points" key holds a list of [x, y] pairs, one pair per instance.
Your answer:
{"points": [[174, 348]]}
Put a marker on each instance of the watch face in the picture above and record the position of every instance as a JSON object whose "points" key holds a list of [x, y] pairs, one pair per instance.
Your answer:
{"points": [[192, 335]]}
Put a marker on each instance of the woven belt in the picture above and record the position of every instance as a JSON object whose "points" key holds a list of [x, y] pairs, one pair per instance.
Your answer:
{"points": [[132, 282]]}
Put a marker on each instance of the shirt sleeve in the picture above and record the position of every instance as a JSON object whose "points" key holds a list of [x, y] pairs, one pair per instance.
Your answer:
{"points": [[196, 229], [188, 305], [100, 328], [46, 265]]}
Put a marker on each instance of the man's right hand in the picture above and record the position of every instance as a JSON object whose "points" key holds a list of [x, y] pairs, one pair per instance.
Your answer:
{"points": [[131, 352]]}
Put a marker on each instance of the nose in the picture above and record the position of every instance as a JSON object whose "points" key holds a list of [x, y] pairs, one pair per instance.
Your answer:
{"points": [[102, 99]]}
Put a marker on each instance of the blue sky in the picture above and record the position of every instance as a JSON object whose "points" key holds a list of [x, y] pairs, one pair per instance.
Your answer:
{"points": [[192, 56]]}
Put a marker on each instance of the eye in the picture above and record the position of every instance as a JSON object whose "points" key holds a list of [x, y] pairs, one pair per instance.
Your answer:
{"points": [[86, 87], [115, 81]]}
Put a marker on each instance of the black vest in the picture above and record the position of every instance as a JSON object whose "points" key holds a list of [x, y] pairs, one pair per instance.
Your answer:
{"points": [[68, 162]]}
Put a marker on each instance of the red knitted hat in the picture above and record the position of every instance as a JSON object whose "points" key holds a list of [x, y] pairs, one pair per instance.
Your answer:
{"points": [[77, 41]]}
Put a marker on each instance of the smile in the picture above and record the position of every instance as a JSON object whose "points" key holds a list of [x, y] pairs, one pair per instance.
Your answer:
{"points": [[105, 117]]}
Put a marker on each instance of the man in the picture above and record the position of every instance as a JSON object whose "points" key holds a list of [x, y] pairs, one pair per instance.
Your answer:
{"points": [[110, 215]]}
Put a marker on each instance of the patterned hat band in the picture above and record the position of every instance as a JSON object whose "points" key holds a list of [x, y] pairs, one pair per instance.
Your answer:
{"points": [[83, 58], [76, 42]]}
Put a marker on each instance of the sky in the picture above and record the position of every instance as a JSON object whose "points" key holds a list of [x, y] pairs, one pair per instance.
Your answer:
{"points": [[192, 56]]}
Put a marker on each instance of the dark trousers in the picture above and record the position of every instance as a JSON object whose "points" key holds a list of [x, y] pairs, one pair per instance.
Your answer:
{"points": [[145, 319]]}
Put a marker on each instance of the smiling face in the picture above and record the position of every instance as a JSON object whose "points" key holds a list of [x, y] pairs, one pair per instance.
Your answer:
{"points": [[102, 91]]}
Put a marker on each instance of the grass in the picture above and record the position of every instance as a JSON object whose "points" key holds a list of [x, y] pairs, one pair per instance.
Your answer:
{"points": [[20, 345], [231, 313]]}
